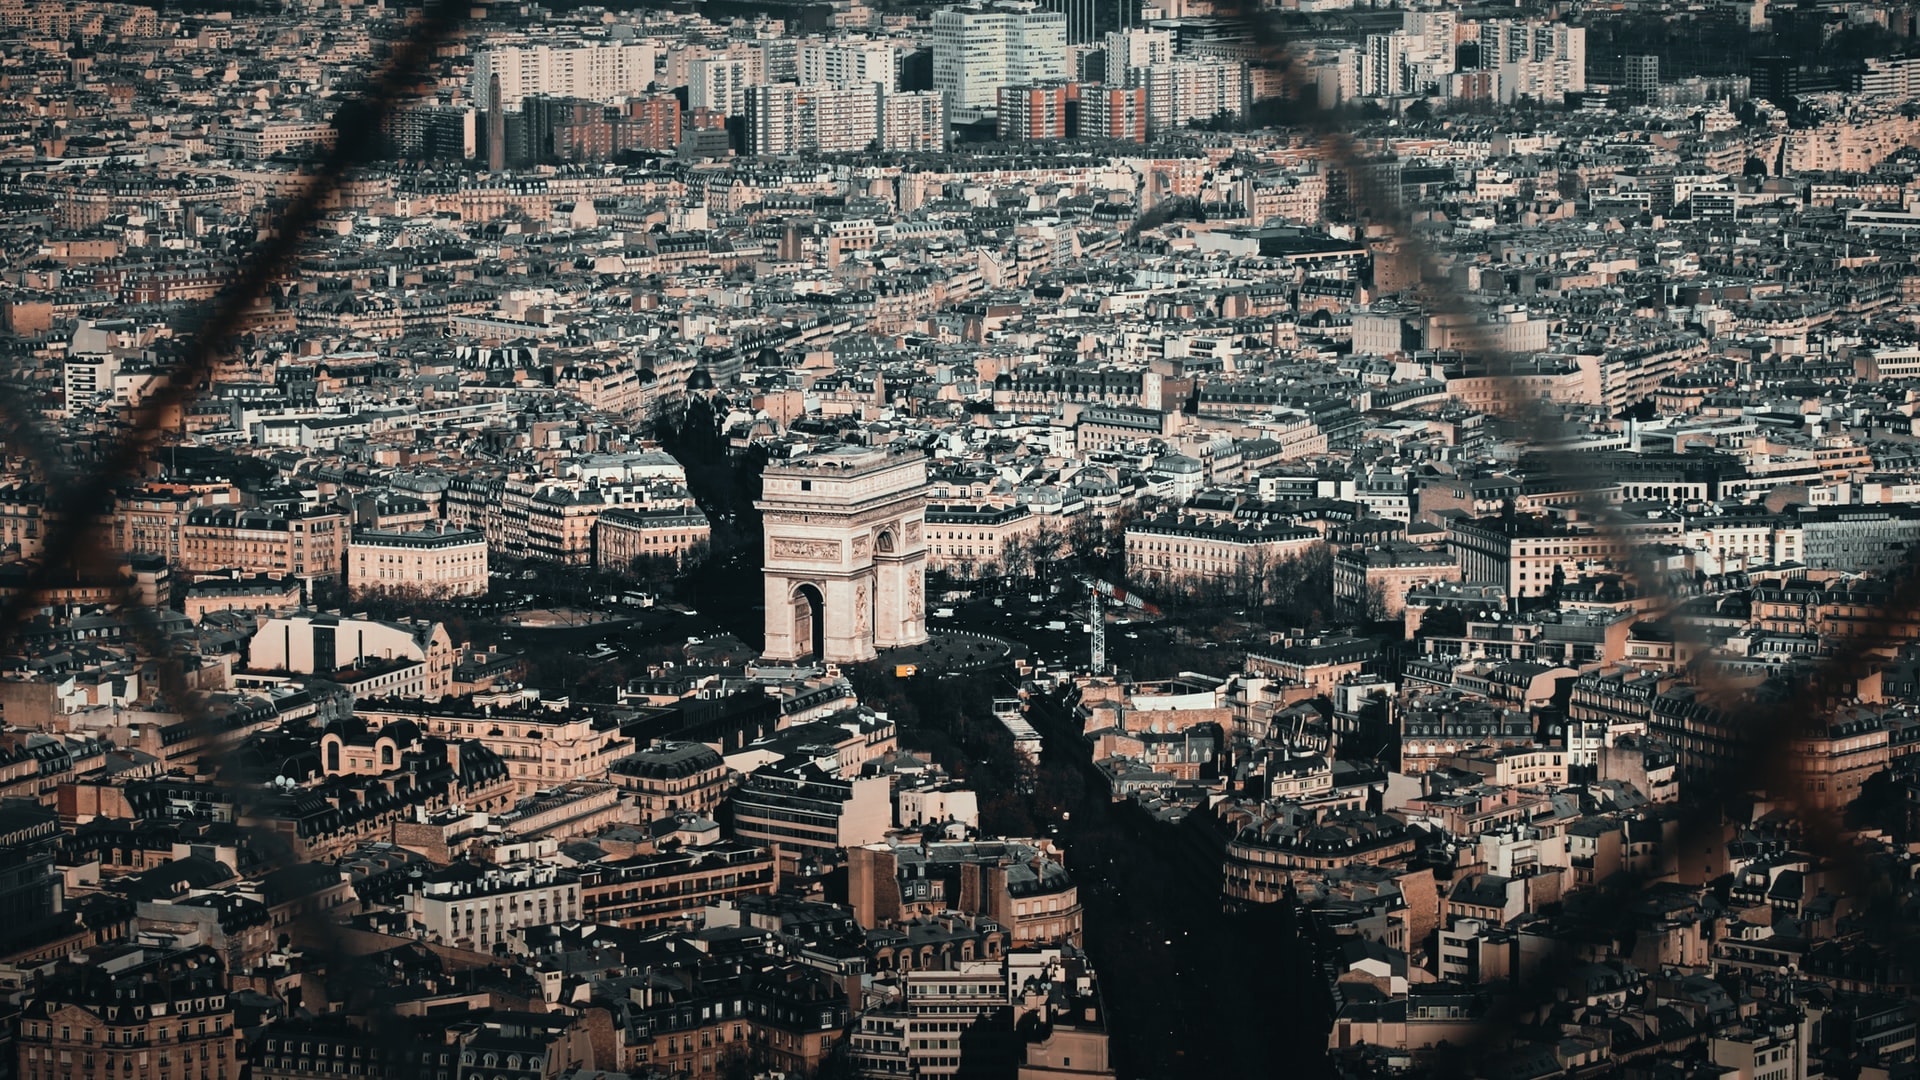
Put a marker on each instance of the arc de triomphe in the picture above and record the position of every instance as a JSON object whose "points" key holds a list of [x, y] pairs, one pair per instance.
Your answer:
{"points": [[846, 554]]}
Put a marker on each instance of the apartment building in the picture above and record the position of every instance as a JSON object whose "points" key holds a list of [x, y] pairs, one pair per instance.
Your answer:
{"points": [[1832, 757], [915, 121], [1192, 552], [979, 48], [653, 890], [1527, 556], [541, 746], [1859, 538], [786, 119], [1182, 92], [1534, 58], [1113, 112], [703, 1017], [313, 1049], [719, 84], [595, 70], [801, 810], [151, 519], [475, 907], [1435, 727], [847, 64], [1385, 573], [81, 1025], [969, 541], [260, 140], [1034, 113], [268, 595], [673, 778], [1022, 885], [309, 544], [942, 1014], [1269, 855], [625, 535], [433, 561]]}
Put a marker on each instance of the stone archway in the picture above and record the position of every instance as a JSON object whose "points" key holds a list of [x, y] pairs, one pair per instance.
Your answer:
{"points": [[810, 619], [847, 524]]}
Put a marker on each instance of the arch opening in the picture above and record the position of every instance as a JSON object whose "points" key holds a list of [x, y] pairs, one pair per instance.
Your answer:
{"points": [[809, 620]]}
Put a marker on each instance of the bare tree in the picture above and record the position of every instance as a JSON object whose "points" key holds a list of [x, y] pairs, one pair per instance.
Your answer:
{"points": [[1256, 577], [1375, 602], [1017, 561], [1044, 548]]}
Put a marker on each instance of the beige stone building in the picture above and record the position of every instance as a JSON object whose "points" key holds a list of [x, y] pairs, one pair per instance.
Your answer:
{"points": [[625, 534], [432, 561], [548, 519], [1022, 885], [672, 778], [263, 594], [1522, 554], [542, 748], [307, 545], [977, 541], [474, 908], [381, 659], [81, 1026], [152, 519], [1833, 757], [1188, 552], [1388, 572]]}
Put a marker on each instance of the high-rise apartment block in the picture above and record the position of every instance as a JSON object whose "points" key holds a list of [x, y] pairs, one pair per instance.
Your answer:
{"points": [[565, 130], [1113, 112], [788, 119], [847, 64], [1184, 91], [1034, 113], [1415, 59], [1137, 48], [979, 48], [915, 121], [719, 83], [1534, 58], [1333, 70], [435, 132], [1641, 75], [597, 71]]}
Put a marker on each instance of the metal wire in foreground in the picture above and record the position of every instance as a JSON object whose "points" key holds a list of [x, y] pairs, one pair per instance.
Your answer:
{"points": [[75, 545]]}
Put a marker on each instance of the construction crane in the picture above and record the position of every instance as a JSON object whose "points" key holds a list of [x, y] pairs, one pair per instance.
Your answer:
{"points": [[1097, 623], [1097, 591], [1114, 592]]}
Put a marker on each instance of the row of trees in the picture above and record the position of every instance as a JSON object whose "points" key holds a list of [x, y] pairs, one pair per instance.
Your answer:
{"points": [[1292, 591], [1090, 545]]}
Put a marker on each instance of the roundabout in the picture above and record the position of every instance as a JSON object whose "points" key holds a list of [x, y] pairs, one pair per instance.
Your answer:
{"points": [[951, 651]]}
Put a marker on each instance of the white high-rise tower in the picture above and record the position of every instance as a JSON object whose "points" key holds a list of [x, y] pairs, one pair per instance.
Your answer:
{"points": [[979, 48]]}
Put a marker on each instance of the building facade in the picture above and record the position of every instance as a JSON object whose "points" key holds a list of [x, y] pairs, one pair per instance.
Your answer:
{"points": [[475, 908], [598, 71], [431, 562], [979, 48], [165, 1016]]}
